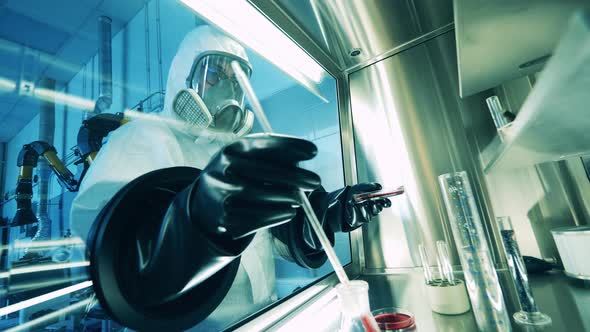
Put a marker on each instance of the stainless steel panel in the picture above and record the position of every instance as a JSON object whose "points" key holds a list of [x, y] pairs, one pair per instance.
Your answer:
{"points": [[433, 14], [408, 130], [349, 163], [501, 40], [338, 27], [287, 23], [372, 27]]}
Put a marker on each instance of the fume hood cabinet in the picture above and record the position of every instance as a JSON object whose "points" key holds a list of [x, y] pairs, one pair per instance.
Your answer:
{"points": [[501, 40]]}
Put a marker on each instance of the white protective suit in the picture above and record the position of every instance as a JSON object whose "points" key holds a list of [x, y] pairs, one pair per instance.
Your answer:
{"points": [[139, 147]]}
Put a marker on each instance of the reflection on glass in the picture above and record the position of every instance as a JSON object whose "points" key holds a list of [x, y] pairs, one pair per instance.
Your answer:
{"points": [[44, 279]]}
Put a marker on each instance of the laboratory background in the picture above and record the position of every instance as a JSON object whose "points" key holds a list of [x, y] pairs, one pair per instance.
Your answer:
{"points": [[294, 165]]}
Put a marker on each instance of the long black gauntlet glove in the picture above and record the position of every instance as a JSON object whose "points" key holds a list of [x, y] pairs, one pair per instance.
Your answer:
{"points": [[165, 250], [249, 185], [252, 184]]}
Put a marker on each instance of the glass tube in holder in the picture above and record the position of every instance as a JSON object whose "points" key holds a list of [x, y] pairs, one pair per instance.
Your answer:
{"points": [[480, 275], [529, 315]]}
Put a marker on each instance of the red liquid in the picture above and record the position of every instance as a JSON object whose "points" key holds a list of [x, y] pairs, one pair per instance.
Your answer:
{"points": [[394, 321]]}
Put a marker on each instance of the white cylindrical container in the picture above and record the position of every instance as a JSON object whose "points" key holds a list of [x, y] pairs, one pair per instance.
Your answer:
{"points": [[448, 299], [573, 244]]}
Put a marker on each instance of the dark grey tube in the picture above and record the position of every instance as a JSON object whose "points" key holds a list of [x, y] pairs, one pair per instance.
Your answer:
{"points": [[46, 134], [2, 177], [105, 65]]}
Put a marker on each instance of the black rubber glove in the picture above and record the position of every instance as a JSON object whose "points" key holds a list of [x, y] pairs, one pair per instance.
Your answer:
{"points": [[345, 215], [337, 212], [252, 184]]}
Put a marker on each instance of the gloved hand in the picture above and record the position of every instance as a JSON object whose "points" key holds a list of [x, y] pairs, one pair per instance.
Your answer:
{"points": [[337, 211], [345, 215], [252, 184]]}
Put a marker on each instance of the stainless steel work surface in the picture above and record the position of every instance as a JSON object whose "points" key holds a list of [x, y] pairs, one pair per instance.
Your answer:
{"points": [[565, 300]]}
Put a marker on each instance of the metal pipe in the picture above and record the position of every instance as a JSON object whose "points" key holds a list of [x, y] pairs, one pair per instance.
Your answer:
{"points": [[46, 134], [105, 65], [148, 70], [159, 53], [64, 156], [2, 175]]}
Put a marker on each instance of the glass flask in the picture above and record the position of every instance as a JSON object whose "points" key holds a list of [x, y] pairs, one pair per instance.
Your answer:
{"points": [[529, 314], [356, 313], [480, 275]]}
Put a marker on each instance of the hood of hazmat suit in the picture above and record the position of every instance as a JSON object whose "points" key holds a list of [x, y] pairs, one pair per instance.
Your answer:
{"points": [[141, 146]]}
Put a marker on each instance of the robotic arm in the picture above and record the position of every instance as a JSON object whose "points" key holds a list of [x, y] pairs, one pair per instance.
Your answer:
{"points": [[27, 161], [93, 131], [90, 137]]}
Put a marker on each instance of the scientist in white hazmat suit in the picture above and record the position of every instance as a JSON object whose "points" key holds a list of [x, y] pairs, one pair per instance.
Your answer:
{"points": [[246, 186]]}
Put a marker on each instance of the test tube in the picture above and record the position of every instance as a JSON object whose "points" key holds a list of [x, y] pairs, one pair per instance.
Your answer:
{"points": [[480, 275], [496, 111], [425, 264], [529, 314], [445, 261]]}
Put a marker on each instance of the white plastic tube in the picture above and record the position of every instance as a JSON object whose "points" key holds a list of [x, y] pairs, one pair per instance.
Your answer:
{"points": [[309, 213]]}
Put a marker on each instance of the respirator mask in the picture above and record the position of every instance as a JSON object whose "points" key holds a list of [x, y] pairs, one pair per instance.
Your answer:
{"points": [[213, 98]]}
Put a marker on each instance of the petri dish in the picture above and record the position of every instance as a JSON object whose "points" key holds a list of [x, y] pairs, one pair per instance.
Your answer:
{"points": [[393, 319]]}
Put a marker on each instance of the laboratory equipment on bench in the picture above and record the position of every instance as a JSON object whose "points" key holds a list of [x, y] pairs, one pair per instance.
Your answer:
{"points": [[481, 279], [27, 161], [446, 295], [346, 288], [529, 314]]}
